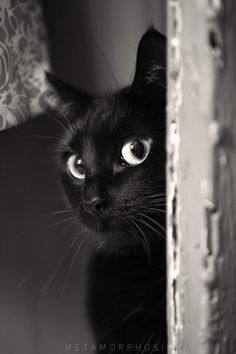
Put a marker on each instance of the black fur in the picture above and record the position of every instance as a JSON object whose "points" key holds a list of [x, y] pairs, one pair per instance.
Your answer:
{"points": [[126, 276]]}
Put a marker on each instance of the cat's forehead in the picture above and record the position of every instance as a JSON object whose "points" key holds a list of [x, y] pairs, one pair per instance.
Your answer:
{"points": [[110, 120], [100, 115], [106, 116]]}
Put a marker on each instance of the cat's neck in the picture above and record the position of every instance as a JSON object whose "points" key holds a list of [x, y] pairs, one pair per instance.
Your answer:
{"points": [[135, 257]]}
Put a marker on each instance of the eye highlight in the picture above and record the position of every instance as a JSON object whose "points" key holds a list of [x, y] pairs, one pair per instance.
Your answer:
{"points": [[76, 167], [135, 150]]}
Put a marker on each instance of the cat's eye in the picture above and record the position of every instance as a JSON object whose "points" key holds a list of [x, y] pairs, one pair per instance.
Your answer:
{"points": [[76, 167], [135, 151]]}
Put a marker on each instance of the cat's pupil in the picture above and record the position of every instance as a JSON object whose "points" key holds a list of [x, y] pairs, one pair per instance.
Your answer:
{"points": [[138, 149], [79, 165]]}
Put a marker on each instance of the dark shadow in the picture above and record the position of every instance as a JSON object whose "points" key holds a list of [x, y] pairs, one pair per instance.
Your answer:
{"points": [[35, 316]]}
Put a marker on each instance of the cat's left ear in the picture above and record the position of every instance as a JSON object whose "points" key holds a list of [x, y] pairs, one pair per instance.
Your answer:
{"points": [[150, 74]]}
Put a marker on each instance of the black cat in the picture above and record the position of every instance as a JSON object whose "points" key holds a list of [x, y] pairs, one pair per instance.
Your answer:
{"points": [[112, 162]]}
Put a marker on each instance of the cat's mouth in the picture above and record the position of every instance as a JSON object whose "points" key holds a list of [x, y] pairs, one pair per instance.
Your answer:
{"points": [[100, 222], [93, 220]]}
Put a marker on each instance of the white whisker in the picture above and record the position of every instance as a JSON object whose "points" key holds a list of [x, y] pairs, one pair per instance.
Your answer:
{"points": [[49, 282], [70, 268]]}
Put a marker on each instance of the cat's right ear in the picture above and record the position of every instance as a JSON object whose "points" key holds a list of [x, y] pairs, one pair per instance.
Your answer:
{"points": [[150, 74], [68, 93]]}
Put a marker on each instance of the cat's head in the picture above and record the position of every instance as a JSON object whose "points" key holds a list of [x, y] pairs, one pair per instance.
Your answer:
{"points": [[112, 154]]}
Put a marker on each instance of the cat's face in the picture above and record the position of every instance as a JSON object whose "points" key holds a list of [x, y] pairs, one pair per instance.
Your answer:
{"points": [[112, 157]]}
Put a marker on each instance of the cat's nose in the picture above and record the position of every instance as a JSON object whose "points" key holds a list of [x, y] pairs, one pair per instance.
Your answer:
{"points": [[96, 203]]}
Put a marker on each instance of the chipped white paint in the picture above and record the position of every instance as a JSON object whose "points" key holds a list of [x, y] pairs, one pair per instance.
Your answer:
{"points": [[202, 177], [175, 95]]}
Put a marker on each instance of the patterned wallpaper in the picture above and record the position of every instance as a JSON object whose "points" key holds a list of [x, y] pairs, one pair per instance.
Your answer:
{"points": [[23, 59]]}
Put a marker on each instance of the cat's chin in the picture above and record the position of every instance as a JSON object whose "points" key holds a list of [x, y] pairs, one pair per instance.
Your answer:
{"points": [[106, 227], [103, 225], [113, 242], [112, 236]]}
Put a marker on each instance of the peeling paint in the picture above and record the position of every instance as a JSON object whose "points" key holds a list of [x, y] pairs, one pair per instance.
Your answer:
{"points": [[214, 11], [202, 177], [173, 152]]}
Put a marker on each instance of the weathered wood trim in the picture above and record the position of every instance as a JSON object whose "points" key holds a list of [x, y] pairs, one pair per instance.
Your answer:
{"points": [[202, 176], [175, 102]]}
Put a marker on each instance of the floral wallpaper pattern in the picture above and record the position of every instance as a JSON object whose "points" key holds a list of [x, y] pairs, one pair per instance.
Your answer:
{"points": [[23, 60]]}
